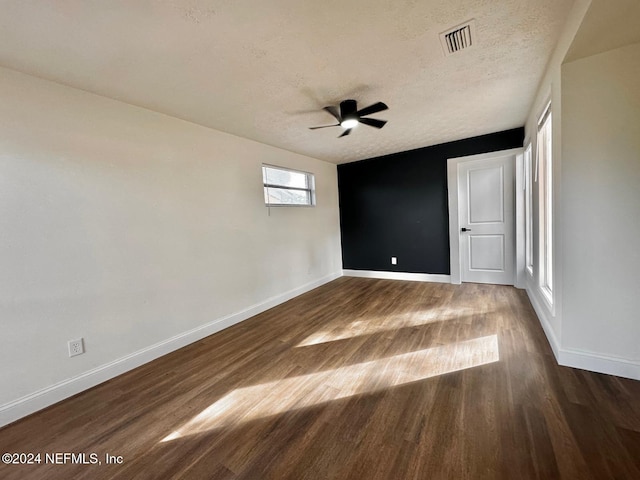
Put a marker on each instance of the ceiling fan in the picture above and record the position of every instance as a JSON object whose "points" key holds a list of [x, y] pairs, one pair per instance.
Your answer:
{"points": [[348, 116]]}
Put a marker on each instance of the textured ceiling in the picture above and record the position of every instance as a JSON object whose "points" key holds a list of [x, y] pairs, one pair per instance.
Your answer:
{"points": [[264, 70]]}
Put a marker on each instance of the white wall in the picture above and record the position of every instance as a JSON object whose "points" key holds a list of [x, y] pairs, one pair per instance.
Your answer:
{"points": [[593, 322], [131, 228], [550, 90], [601, 206]]}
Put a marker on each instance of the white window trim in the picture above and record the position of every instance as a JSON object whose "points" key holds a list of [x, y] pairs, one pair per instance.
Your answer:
{"points": [[528, 207], [312, 187], [544, 177]]}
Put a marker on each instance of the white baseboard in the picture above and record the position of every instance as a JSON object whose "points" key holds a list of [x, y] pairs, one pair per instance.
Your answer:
{"points": [[40, 399], [584, 360], [595, 362], [414, 277], [542, 312]]}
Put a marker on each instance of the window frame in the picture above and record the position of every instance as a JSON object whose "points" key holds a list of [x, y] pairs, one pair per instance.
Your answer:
{"points": [[311, 190], [544, 156], [528, 208]]}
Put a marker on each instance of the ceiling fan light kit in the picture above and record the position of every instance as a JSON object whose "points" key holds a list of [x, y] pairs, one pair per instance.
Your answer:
{"points": [[349, 117], [349, 123]]}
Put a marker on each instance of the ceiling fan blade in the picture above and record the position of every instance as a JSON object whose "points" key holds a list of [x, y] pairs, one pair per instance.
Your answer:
{"points": [[333, 111], [346, 132], [373, 122], [324, 126], [375, 108]]}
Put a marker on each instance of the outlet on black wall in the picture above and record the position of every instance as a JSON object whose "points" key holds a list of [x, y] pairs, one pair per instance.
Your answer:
{"points": [[396, 205]]}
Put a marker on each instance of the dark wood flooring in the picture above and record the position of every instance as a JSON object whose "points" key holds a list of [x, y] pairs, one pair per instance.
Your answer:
{"points": [[358, 379]]}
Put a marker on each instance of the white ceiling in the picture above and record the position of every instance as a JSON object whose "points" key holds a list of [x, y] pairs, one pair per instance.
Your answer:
{"points": [[264, 69]]}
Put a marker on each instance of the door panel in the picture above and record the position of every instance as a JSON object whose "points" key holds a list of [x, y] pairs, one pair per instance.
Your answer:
{"points": [[486, 252], [485, 189], [486, 183]]}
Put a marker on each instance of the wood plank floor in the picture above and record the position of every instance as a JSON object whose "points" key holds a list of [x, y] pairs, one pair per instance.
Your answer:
{"points": [[358, 379]]}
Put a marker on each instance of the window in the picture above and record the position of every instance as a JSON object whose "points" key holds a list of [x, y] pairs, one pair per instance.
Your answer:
{"points": [[545, 191], [528, 211], [284, 187]]}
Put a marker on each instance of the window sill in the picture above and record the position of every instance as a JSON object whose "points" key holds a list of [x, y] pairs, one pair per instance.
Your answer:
{"points": [[547, 296]]}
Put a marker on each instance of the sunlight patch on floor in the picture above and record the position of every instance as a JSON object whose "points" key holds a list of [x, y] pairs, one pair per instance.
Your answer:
{"points": [[258, 401], [366, 326]]}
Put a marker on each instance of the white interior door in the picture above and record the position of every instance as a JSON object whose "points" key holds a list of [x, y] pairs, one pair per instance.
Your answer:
{"points": [[487, 219]]}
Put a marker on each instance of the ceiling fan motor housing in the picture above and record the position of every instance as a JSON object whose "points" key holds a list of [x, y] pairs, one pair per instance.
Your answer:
{"points": [[348, 109]]}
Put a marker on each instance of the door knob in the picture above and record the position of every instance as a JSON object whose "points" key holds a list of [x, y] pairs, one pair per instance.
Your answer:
{"points": [[465, 229]]}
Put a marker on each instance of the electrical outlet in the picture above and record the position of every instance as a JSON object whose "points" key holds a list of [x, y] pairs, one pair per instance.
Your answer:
{"points": [[76, 347], [394, 260]]}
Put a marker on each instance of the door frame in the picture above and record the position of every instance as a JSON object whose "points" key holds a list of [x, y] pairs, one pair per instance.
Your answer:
{"points": [[455, 252]]}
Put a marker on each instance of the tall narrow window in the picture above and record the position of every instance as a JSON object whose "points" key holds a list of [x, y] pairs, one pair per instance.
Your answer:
{"points": [[545, 189], [285, 187], [528, 209]]}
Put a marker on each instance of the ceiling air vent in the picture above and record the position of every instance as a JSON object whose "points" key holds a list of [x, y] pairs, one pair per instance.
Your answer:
{"points": [[458, 38]]}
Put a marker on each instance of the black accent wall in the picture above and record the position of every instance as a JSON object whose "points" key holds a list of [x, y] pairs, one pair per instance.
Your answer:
{"points": [[397, 205]]}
